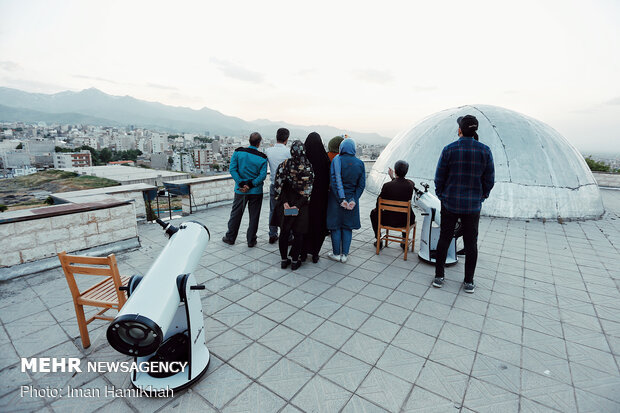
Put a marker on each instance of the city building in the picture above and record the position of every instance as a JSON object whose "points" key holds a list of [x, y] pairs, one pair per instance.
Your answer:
{"points": [[203, 158], [128, 163], [17, 158], [39, 147], [72, 159], [159, 160], [159, 143], [183, 162], [28, 170]]}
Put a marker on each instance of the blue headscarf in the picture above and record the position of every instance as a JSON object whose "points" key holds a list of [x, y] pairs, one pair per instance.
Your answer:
{"points": [[347, 147]]}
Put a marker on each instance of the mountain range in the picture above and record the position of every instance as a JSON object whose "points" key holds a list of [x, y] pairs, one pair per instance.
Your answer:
{"points": [[92, 106]]}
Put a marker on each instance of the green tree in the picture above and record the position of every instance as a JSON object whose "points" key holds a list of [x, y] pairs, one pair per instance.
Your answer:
{"points": [[105, 155], [20, 146], [93, 154], [596, 165]]}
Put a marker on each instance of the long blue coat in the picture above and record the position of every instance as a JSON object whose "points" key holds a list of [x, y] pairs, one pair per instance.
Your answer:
{"points": [[353, 176]]}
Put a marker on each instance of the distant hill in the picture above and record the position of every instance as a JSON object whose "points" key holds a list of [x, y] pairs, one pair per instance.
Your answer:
{"points": [[11, 114], [93, 106]]}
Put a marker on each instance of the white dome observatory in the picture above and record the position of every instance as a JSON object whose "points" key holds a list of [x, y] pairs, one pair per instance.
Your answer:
{"points": [[538, 173]]}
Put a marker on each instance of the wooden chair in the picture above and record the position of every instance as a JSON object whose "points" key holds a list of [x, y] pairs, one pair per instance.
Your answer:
{"points": [[105, 294], [403, 208]]}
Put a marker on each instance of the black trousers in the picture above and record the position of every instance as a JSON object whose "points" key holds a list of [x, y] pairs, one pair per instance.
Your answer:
{"points": [[313, 240], [469, 224], [283, 241], [254, 203]]}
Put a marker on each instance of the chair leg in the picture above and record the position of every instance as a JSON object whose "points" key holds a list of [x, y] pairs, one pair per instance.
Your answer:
{"points": [[81, 320], [378, 239], [406, 244]]}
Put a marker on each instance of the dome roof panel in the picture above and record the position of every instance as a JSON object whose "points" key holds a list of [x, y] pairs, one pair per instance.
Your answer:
{"points": [[538, 173]]}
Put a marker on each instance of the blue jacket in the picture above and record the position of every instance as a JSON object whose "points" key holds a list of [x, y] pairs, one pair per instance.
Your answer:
{"points": [[353, 176], [249, 166], [465, 176]]}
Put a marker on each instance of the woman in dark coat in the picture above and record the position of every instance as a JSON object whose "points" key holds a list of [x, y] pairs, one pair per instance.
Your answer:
{"points": [[313, 240], [348, 179], [293, 186]]}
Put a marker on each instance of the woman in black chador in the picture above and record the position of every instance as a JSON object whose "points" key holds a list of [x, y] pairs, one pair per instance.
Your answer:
{"points": [[293, 186], [313, 240]]}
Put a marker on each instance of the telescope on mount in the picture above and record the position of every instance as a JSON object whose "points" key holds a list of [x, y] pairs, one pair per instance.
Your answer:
{"points": [[162, 320], [431, 226]]}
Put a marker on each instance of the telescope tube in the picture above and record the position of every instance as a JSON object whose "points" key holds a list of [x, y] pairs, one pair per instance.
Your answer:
{"points": [[140, 326]]}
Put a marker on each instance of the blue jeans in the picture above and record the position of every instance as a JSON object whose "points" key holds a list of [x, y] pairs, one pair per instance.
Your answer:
{"points": [[341, 240], [273, 230]]}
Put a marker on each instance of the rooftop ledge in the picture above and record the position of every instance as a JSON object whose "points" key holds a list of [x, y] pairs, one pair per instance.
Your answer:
{"points": [[58, 210]]}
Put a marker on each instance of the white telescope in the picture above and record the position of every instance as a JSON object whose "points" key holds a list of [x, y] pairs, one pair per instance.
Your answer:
{"points": [[431, 206], [162, 320]]}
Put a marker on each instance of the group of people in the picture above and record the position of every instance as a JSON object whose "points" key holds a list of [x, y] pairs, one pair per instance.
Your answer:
{"points": [[314, 192]]}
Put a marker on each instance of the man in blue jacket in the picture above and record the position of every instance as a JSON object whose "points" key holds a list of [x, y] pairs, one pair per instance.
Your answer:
{"points": [[464, 178], [248, 168]]}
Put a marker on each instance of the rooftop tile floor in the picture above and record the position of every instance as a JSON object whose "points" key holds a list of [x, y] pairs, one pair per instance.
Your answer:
{"points": [[541, 332]]}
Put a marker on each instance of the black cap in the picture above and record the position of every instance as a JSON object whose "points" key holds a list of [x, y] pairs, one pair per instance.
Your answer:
{"points": [[468, 125]]}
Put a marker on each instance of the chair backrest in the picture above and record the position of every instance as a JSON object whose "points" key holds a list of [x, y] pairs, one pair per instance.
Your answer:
{"points": [[403, 207], [396, 206], [76, 264]]}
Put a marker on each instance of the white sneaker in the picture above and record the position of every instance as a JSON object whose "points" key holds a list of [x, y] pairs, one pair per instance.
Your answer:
{"points": [[333, 256], [343, 258]]}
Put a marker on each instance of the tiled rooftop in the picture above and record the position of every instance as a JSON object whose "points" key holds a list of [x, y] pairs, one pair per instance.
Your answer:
{"points": [[541, 332]]}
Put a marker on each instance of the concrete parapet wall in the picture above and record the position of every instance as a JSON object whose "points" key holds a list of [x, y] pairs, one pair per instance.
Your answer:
{"points": [[210, 190], [35, 238], [133, 193], [607, 180]]}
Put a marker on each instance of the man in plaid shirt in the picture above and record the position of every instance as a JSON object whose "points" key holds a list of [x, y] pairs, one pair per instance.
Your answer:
{"points": [[463, 180]]}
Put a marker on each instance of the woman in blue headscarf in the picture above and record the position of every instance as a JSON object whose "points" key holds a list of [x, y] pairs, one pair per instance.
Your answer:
{"points": [[348, 179]]}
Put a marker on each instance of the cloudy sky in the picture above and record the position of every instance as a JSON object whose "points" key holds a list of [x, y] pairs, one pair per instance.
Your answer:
{"points": [[372, 66]]}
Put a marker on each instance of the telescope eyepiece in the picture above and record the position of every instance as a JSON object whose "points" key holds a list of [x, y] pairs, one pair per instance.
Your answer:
{"points": [[169, 228]]}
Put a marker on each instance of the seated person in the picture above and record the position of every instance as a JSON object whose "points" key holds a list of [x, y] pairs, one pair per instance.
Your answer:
{"points": [[398, 189]]}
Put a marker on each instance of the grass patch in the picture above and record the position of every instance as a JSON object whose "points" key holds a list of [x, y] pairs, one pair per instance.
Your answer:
{"points": [[18, 191]]}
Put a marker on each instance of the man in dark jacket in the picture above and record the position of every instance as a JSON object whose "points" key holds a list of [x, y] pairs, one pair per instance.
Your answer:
{"points": [[398, 189], [464, 178], [248, 168]]}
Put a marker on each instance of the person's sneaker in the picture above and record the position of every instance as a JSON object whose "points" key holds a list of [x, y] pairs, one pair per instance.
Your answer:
{"points": [[469, 287], [380, 245], [252, 243], [273, 239], [438, 282], [284, 263], [295, 265], [332, 256], [315, 258], [343, 258], [228, 241]]}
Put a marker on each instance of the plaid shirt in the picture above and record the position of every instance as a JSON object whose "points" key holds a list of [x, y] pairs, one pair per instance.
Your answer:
{"points": [[465, 175]]}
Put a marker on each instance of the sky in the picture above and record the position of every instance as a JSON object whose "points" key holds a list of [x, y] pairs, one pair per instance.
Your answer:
{"points": [[359, 65]]}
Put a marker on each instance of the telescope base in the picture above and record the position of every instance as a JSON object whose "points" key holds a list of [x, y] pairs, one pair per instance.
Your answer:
{"points": [[449, 262], [152, 385], [451, 258]]}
